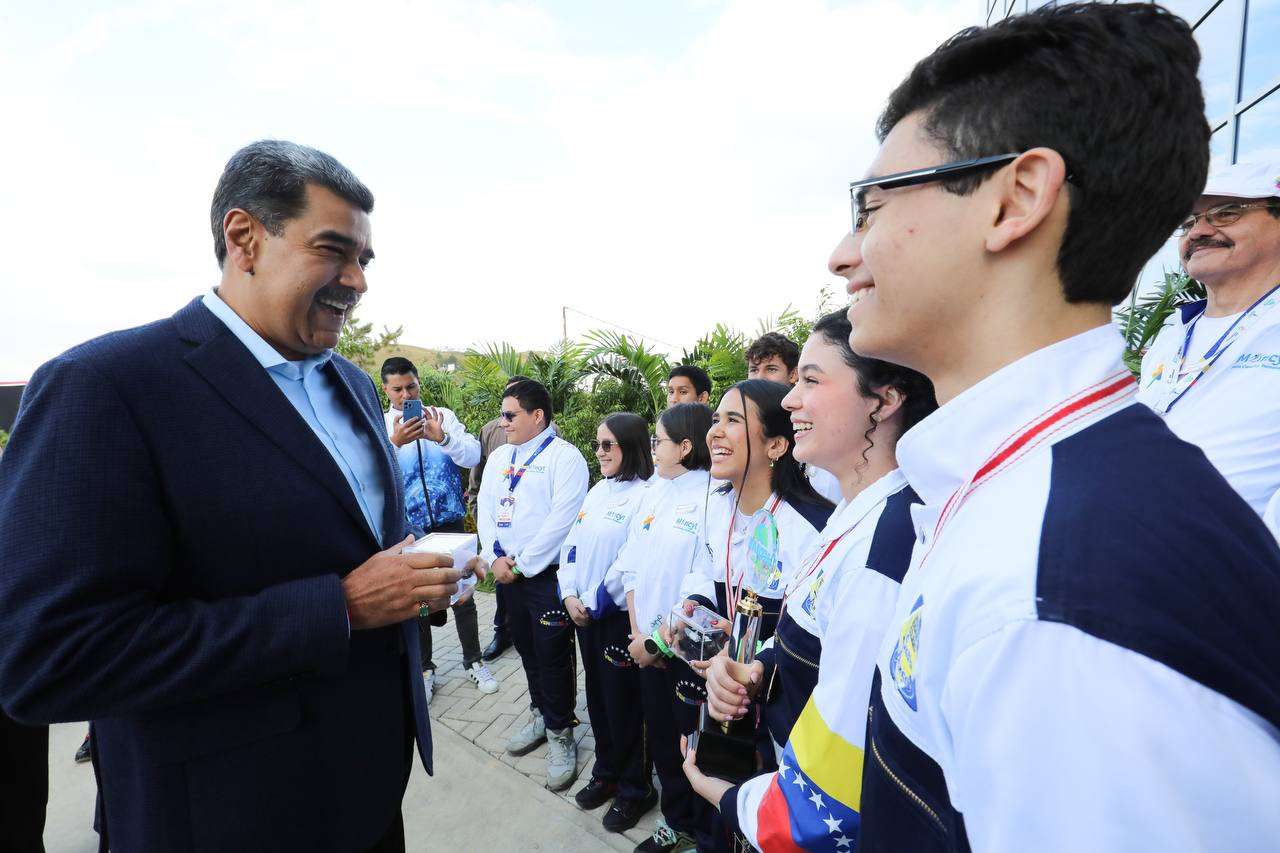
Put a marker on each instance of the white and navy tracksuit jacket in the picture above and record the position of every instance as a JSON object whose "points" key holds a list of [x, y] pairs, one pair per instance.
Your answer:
{"points": [[593, 543], [1232, 412], [838, 606], [668, 539], [1085, 652], [798, 526]]}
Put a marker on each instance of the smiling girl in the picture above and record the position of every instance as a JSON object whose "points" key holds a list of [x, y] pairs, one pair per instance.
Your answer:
{"points": [[848, 412]]}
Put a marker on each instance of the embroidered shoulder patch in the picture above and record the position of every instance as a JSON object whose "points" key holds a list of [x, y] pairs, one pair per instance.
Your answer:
{"points": [[902, 663]]}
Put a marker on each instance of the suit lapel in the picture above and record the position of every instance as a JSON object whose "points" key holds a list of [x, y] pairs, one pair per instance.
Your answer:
{"points": [[234, 373]]}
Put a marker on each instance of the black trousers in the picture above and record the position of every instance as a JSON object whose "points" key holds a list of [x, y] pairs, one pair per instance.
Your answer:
{"points": [[671, 698], [24, 785], [467, 621], [613, 693], [543, 635], [500, 612]]}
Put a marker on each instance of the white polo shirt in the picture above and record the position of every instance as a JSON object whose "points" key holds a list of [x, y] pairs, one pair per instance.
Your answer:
{"points": [[1232, 412]]}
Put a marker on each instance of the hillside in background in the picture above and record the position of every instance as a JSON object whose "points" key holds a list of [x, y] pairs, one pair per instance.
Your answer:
{"points": [[420, 356]]}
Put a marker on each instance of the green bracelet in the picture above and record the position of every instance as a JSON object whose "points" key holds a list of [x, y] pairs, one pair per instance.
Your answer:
{"points": [[656, 636]]}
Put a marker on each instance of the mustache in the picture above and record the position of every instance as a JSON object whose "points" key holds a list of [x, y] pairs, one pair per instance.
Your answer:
{"points": [[338, 293], [1203, 243]]}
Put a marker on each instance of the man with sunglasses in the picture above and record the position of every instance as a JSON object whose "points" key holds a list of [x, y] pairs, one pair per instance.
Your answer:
{"points": [[529, 498], [1084, 653], [1213, 372]]}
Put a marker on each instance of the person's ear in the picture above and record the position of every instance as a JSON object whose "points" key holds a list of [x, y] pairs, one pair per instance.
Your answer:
{"points": [[891, 401], [704, 397], [1028, 192], [775, 448], [244, 236], [686, 449]]}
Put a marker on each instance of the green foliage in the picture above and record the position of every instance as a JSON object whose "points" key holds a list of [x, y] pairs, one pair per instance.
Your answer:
{"points": [[723, 354], [638, 373], [358, 343], [1141, 320], [4, 439]]}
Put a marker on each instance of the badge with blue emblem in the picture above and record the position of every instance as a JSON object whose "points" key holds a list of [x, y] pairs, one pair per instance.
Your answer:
{"points": [[902, 664]]}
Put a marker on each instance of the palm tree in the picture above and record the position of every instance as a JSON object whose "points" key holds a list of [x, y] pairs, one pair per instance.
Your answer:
{"points": [[559, 369], [641, 372]]}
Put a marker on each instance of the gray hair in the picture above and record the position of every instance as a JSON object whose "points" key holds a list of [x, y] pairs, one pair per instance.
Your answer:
{"points": [[268, 179]]}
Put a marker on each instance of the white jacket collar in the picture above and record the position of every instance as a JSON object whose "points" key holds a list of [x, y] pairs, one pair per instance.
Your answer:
{"points": [[939, 454]]}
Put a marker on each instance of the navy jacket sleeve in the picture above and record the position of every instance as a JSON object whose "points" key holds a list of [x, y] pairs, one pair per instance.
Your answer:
{"points": [[87, 547]]}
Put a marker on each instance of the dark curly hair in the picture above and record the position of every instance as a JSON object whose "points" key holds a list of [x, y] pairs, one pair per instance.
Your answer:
{"points": [[917, 391]]}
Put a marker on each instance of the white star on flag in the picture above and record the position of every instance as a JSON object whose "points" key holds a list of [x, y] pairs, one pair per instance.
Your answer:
{"points": [[816, 799], [842, 842], [833, 825], [782, 769]]}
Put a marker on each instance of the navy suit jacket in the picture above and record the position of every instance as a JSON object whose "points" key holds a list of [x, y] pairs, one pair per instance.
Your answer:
{"points": [[172, 536]]}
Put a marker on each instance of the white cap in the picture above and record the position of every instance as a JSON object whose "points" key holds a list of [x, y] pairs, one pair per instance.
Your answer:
{"points": [[1245, 180]]}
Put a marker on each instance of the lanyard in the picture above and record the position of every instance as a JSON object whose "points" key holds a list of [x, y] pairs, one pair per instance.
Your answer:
{"points": [[731, 593], [1177, 383], [1087, 406], [514, 475]]}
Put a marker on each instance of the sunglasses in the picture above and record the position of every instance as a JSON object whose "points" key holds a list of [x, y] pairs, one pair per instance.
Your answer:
{"points": [[605, 445], [508, 416]]}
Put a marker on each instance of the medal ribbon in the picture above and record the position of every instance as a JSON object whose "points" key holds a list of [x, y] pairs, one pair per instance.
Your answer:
{"points": [[1177, 384], [1086, 406]]}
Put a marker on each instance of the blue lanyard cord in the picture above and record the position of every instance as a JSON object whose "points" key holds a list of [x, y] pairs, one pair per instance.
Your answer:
{"points": [[1212, 354], [515, 475]]}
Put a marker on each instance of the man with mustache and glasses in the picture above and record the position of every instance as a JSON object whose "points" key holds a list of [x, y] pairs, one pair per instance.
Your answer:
{"points": [[1213, 372], [201, 526]]}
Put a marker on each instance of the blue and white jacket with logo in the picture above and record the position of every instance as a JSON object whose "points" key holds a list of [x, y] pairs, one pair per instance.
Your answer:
{"points": [[1089, 657]]}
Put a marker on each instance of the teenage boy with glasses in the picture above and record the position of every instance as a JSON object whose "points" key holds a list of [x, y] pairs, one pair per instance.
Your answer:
{"points": [[1213, 372], [1084, 653]]}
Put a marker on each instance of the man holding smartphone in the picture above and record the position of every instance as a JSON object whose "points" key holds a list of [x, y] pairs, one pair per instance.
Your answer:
{"points": [[431, 446]]}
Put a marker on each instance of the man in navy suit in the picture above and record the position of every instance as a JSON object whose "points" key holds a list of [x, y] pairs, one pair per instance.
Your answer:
{"points": [[201, 524]]}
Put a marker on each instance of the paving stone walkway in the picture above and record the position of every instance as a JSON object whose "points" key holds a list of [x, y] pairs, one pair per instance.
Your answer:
{"points": [[487, 721]]}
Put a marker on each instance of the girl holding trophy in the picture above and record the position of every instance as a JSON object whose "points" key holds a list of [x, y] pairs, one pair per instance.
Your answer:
{"points": [[848, 412]]}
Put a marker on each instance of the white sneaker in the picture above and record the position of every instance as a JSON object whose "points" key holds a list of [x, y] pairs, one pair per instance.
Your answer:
{"points": [[480, 674], [429, 683]]}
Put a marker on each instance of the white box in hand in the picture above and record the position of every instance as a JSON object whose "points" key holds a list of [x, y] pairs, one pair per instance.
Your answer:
{"points": [[462, 547]]}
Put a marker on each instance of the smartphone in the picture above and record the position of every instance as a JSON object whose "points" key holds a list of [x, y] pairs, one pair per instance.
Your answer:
{"points": [[412, 409]]}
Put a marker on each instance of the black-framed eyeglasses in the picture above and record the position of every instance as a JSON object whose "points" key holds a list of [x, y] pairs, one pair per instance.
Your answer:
{"points": [[928, 175], [654, 441], [607, 445], [508, 416], [1220, 216]]}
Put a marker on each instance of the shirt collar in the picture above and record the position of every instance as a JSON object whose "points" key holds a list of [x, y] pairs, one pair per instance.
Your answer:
{"points": [[939, 454], [262, 351], [535, 442], [848, 512]]}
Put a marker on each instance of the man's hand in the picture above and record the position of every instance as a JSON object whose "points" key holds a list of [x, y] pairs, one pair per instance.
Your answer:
{"points": [[709, 788], [730, 685], [641, 655], [502, 570], [391, 586], [433, 424], [408, 431], [477, 566], [577, 611]]}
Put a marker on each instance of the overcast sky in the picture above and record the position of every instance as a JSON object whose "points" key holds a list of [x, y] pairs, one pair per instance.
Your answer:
{"points": [[662, 165]]}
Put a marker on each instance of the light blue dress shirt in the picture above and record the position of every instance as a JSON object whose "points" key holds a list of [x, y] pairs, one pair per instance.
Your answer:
{"points": [[319, 398]]}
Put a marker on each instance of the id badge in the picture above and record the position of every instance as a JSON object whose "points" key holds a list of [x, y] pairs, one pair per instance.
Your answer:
{"points": [[506, 511]]}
